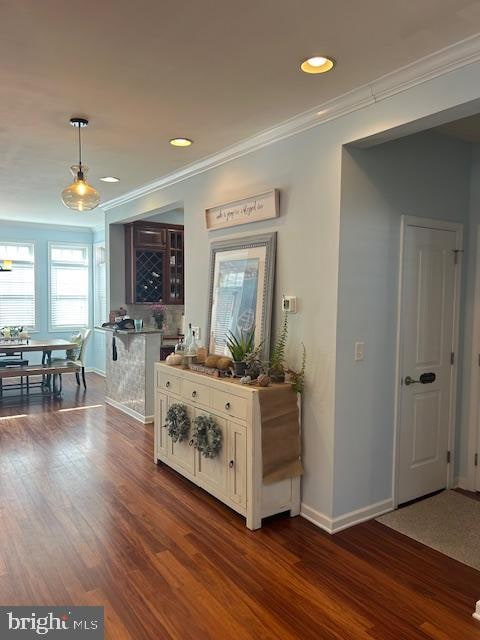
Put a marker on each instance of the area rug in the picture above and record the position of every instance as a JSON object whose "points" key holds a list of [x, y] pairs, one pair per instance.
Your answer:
{"points": [[448, 522]]}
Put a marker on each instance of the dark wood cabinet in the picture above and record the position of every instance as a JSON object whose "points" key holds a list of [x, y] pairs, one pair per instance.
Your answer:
{"points": [[149, 236], [154, 263]]}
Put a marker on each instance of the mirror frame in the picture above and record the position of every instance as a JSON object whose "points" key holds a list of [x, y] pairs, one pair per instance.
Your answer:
{"points": [[269, 241]]}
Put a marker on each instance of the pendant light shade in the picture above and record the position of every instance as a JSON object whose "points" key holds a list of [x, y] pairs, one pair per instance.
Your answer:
{"points": [[80, 196]]}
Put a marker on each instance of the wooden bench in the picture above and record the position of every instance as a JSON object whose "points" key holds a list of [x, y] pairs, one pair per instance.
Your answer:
{"points": [[44, 370]]}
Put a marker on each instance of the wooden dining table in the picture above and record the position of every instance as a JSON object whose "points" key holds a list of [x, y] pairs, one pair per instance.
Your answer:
{"points": [[46, 347], [8, 347]]}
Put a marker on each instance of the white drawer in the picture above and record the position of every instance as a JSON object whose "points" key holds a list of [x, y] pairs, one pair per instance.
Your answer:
{"points": [[196, 393], [229, 404], [172, 384]]}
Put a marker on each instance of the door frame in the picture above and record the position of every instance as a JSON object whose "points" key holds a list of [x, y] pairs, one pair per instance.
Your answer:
{"points": [[473, 381], [441, 225]]}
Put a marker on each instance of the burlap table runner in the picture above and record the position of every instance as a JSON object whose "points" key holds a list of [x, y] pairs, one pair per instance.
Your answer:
{"points": [[281, 446]]}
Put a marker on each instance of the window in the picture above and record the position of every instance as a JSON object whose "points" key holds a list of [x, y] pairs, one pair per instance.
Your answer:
{"points": [[100, 284], [69, 284], [17, 287]]}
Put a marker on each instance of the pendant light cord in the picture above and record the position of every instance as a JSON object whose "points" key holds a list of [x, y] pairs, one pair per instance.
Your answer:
{"points": [[79, 147]]}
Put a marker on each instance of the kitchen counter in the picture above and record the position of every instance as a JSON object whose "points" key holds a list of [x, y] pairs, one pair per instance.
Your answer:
{"points": [[129, 374], [145, 330]]}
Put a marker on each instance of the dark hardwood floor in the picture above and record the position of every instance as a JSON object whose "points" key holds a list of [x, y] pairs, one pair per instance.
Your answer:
{"points": [[87, 518]]}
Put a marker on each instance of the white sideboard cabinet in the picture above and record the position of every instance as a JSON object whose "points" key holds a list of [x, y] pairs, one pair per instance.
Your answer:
{"points": [[235, 475]]}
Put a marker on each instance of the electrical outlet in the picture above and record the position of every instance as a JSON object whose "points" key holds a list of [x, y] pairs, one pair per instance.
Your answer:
{"points": [[197, 332]]}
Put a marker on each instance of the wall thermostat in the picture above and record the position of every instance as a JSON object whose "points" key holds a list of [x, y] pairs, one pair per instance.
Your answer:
{"points": [[289, 304]]}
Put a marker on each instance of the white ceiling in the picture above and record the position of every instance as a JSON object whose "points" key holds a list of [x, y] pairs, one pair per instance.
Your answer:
{"points": [[217, 71]]}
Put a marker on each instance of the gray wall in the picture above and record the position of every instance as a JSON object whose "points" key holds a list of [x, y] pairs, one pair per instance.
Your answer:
{"points": [[306, 267], [168, 217], [307, 168], [425, 175], [469, 350]]}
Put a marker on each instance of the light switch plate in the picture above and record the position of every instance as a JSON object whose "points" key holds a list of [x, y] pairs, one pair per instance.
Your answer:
{"points": [[289, 304], [359, 351], [197, 332]]}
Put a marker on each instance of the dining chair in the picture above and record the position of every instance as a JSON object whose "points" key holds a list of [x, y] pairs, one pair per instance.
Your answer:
{"points": [[79, 360]]}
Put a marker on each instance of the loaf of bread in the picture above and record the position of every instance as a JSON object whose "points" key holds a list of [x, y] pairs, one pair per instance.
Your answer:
{"points": [[212, 361], [224, 364]]}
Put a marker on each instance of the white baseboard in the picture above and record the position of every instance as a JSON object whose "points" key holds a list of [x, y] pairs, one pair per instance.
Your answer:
{"points": [[93, 370], [130, 412], [316, 517], [462, 483], [361, 515], [334, 525]]}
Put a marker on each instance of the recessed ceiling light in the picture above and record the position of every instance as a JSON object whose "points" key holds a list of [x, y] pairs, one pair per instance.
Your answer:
{"points": [[317, 64], [110, 179], [181, 142]]}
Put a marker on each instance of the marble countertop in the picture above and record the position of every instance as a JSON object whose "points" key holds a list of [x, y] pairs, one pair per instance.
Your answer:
{"points": [[144, 331]]}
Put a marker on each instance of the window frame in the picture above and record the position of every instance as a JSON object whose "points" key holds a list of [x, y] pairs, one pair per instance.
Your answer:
{"points": [[96, 320], [74, 245], [34, 328]]}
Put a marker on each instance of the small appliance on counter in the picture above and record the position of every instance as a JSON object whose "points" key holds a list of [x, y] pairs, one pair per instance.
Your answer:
{"points": [[124, 324]]}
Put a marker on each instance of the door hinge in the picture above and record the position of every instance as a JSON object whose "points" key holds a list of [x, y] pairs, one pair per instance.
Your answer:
{"points": [[455, 253], [452, 358], [449, 457], [475, 460]]}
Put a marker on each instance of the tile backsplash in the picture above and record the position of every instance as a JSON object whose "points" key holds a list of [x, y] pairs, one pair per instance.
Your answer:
{"points": [[174, 323]]}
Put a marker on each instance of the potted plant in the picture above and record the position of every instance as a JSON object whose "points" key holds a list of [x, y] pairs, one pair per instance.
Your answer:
{"points": [[239, 346], [277, 360], [254, 363], [158, 314], [297, 378]]}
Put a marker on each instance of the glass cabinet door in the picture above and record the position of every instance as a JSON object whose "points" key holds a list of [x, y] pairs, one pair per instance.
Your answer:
{"points": [[175, 276]]}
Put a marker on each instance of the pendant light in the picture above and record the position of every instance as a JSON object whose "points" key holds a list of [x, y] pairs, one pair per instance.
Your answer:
{"points": [[80, 196]]}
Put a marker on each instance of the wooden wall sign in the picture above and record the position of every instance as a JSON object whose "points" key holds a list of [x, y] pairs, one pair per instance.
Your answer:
{"points": [[253, 209]]}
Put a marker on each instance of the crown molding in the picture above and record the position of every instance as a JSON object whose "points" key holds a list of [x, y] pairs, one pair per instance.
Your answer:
{"points": [[49, 225], [432, 66]]}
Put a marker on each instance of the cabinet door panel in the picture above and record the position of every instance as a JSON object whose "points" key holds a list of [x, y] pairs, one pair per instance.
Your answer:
{"points": [[150, 237], [149, 275], [237, 463], [182, 453], [176, 266], [160, 427], [213, 471]]}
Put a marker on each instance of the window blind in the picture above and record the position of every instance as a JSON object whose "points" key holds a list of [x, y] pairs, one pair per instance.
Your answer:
{"points": [[100, 300], [17, 287], [69, 275]]}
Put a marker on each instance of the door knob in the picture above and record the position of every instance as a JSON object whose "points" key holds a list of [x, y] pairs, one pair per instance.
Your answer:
{"points": [[425, 378]]}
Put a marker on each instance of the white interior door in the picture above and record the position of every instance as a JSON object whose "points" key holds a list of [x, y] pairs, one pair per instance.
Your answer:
{"points": [[427, 317]]}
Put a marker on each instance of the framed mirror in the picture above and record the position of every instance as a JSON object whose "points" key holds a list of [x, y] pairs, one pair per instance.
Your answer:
{"points": [[242, 273]]}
